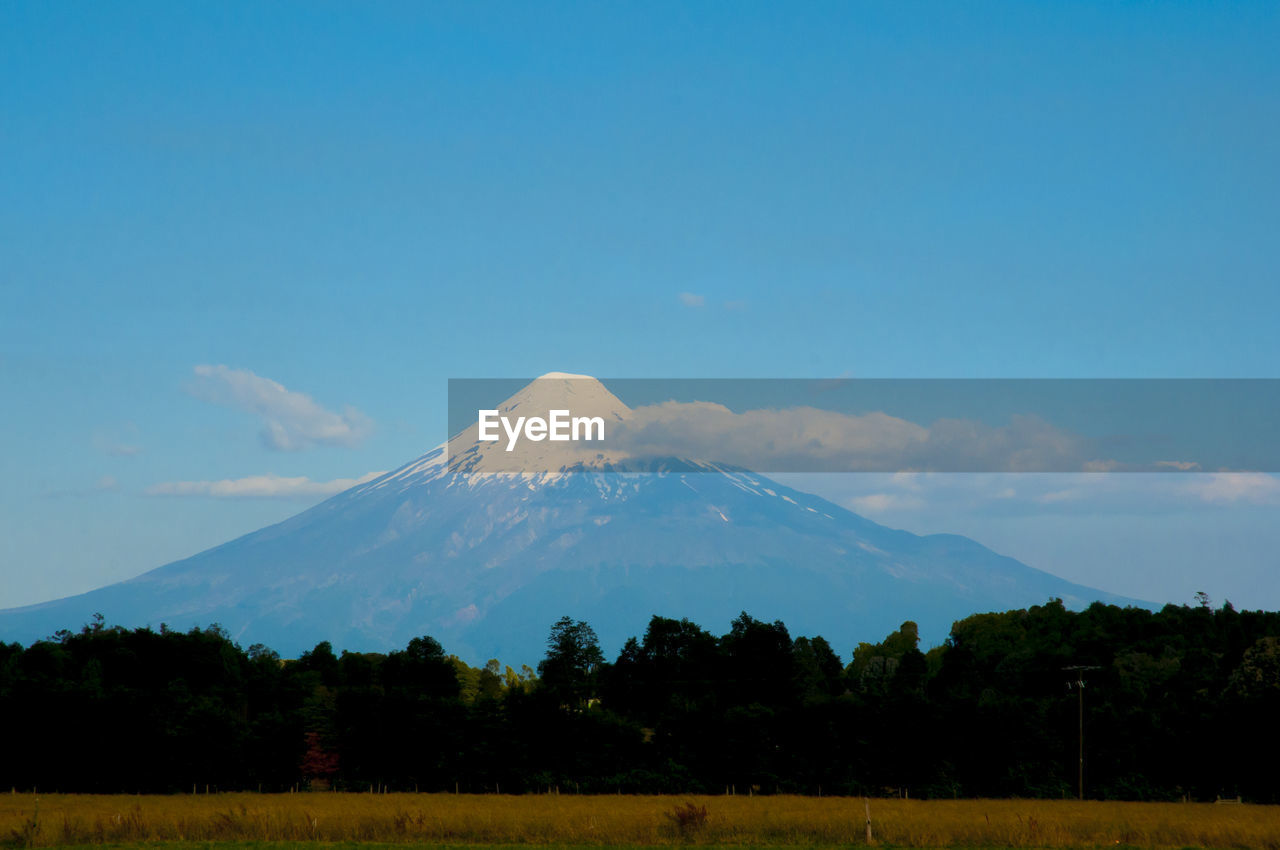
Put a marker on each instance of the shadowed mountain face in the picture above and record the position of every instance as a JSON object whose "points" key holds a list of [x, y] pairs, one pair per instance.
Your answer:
{"points": [[485, 562]]}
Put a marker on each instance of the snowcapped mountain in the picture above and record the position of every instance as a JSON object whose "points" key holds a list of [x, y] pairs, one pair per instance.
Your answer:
{"points": [[485, 561]]}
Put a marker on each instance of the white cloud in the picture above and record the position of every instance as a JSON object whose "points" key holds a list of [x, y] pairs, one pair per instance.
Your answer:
{"points": [[876, 503], [259, 487], [1247, 487], [809, 439], [1179, 465], [1006, 495], [290, 420], [688, 299], [765, 439]]}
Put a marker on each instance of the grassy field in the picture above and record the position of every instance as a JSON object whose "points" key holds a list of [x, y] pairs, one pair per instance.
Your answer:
{"points": [[290, 820]]}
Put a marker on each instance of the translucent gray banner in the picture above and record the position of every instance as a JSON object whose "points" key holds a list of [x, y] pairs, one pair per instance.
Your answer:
{"points": [[568, 422]]}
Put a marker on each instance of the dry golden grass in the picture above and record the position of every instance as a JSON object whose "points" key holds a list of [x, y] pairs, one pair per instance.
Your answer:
{"points": [[50, 820]]}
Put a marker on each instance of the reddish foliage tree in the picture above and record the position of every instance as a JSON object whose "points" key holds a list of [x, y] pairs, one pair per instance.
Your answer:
{"points": [[318, 763]]}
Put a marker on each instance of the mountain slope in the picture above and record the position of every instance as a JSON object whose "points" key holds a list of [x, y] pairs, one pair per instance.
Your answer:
{"points": [[486, 562]]}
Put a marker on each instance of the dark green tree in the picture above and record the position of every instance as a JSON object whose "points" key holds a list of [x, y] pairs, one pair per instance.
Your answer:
{"points": [[568, 672]]}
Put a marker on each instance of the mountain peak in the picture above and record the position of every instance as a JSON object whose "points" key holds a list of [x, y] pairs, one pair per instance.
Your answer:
{"points": [[580, 395], [483, 562]]}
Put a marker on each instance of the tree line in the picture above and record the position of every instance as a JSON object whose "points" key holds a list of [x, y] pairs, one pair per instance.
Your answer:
{"points": [[1182, 703]]}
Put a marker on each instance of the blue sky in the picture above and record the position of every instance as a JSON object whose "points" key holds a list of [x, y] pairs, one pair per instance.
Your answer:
{"points": [[359, 201]]}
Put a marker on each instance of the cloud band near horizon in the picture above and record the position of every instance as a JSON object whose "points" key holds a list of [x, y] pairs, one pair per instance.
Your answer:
{"points": [[259, 487]]}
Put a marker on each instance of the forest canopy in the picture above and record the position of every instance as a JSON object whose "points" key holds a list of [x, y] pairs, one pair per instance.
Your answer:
{"points": [[1179, 703]]}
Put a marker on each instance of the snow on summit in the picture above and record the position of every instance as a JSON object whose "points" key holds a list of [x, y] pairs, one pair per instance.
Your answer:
{"points": [[580, 395]]}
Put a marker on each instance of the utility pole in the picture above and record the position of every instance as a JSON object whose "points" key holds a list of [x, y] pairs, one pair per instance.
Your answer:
{"points": [[1078, 684]]}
